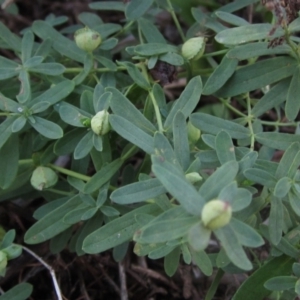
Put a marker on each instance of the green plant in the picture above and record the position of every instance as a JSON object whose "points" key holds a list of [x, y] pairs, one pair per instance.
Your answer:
{"points": [[60, 99]]}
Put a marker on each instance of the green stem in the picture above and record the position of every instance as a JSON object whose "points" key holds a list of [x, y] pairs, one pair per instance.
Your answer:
{"points": [[97, 70], [70, 172], [4, 114], [157, 112], [220, 52], [175, 19], [279, 123], [290, 42], [124, 29], [214, 285], [60, 192], [128, 153], [250, 122], [25, 161], [236, 111]]}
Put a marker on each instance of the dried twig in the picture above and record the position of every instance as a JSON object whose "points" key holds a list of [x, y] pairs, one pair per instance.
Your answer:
{"points": [[122, 275]]}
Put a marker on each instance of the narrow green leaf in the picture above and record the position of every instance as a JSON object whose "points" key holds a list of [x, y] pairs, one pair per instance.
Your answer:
{"points": [[117, 231], [253, 286], [84, 147], [107, 29], [180, 139], [5, 129], [161, 251], [261, 177], [276, 220], [136, 75], [103, 176], [46, 128], [177, 185], [201, 259], [7, 104], [108, 44], [271, 99], [10, 38], [132, 133], [220, 75], [198, 237], [171, 261], [137, 8], [246, 235], [44, 48], [39, 107], [282, 187], [292, 104], [151, 49], [231, 18], [187, 101], [233, 248], [71, 115], [55, 93], [138, 191], [258, 75], [224, 147], [294, 201], [243, 34], [8, 68], [122, 107], [281, 283], [9, 154], [277, 140], [53, 69], [218, 180], [150, 31], [52, 224], [20, 291], [172, 59], [97, 142], [25, 90], [27, 46], [214, 125]]}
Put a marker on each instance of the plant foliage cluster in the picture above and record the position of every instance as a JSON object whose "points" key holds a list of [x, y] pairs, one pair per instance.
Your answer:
{"points": [[146, 169]]}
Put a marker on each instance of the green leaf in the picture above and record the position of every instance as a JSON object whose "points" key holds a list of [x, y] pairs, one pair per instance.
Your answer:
{"points": [[44, 48], [176, 184], [201, 259], [122, 107], [27, 46], [294, 201], [87, 66], [55, 93], [282, 187], [46, 128], [39, 107], [220, 178], [137, 8], [132, 133], [150, 31], [10, 38], [109, 211], [51, 224], [18, 124], [71, 115], [171, 261], [280, 283], [164, 231], [8, 68], [25, 90], [107, 29], [161, 251], [117, 231], [172, 59], [108, 5], [9, 154], [261, 177], [103, 176], [5, 129], [53, 69], [276, 220], [8, 238], [273, 98], [220, 75], [246, 33], [224, 147], [84, 146], [231, 18], [198, 237], [292, 104], [136, 74], [276, 140], [109, 44], [258, 75], [20, 291], [214, 125], [253, 286], [152, 49], [97, 142], [138, 191], [246, 235], [180, 139], [187, 101], [7, 104], [233, 248]]}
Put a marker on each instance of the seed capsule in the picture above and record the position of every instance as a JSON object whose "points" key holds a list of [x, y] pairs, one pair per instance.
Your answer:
{"points": [[100, 124], [43, 177], [193, 48], [87, 39]]}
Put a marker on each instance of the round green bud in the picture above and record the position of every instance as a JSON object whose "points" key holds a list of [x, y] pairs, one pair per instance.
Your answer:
{"points": [[99, 123], [43, 177], [193, 48], [216, 214], [193, 133], [87, 39]]}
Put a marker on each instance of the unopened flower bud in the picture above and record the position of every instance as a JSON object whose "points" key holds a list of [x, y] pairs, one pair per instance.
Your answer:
{"points": [[100, 124], [193, 48], [193, 133], [216, 214], [43, 177], [193, 177], [87, 39]]}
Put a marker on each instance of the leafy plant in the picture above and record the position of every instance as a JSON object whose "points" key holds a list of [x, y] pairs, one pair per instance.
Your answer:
{"points": [[205, 172]]}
